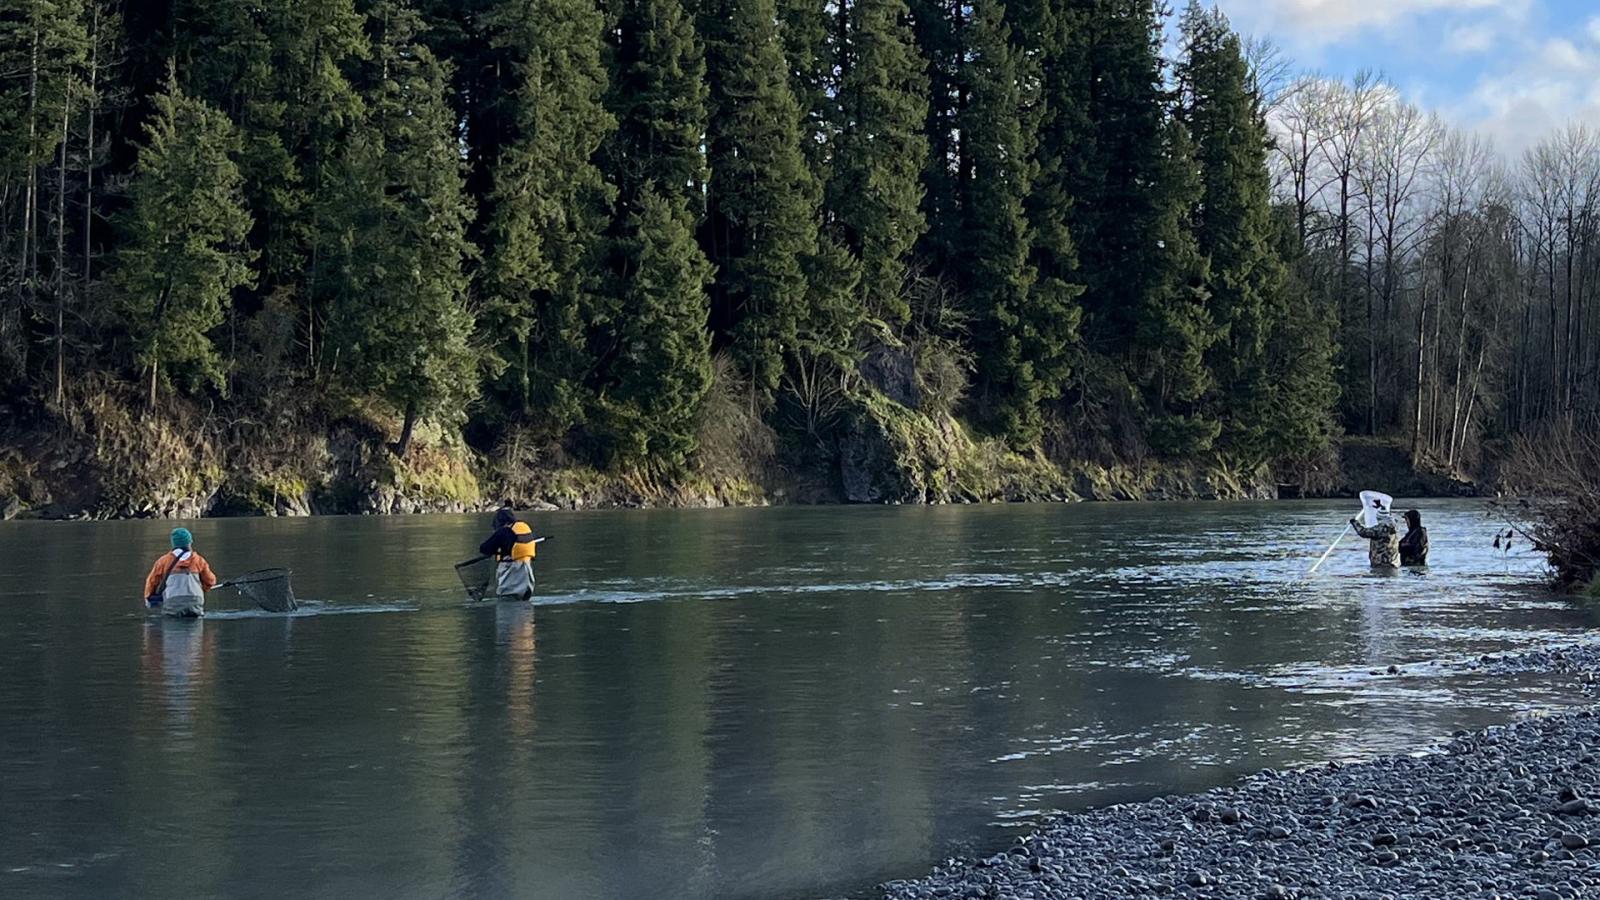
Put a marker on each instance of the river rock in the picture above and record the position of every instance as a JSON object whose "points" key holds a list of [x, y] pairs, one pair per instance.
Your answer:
{"points": [[1473, 822]]}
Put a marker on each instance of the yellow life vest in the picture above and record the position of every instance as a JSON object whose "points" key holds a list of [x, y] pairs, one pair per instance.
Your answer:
{"points": [[524, 548]]}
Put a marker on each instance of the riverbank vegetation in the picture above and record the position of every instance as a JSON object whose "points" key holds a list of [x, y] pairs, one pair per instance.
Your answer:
{"points": [[1558, 507], [726, 251]]}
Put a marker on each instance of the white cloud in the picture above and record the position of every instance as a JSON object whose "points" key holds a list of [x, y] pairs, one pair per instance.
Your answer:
{"points": [[1512, 70], [1560, 53], [1547, 85], [1318, 23], [1469, 39]]}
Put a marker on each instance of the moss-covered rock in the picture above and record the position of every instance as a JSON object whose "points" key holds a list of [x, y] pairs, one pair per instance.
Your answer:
{"points": [[889, 453]]}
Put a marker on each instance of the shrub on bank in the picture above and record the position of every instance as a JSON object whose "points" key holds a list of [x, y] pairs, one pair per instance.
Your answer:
{"points": [[1559, 510]]}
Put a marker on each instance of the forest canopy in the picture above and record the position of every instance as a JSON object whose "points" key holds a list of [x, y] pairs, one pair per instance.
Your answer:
{"points": [[608, 226]]}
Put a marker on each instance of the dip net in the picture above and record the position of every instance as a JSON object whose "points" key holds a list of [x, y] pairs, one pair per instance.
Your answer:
{"points": [[477, 575], [266, 588]]}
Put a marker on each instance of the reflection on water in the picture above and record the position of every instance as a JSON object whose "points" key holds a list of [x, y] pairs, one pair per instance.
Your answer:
{"points": [[177, 664], [756, 703]]}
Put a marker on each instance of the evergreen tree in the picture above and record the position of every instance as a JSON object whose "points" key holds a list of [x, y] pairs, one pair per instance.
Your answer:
{"points": [[399, 321], [1056, 37], [761, 228], [1233, 222], [1174, 327], [662, 368], [1301, 392], [659, 98], [42, 46], [652, 345], [936, 25], [811, 47], [1117, 189], [550, 206], [1134, 191], [876, 191], [1021, 330], [182, 250], [280, 70]]}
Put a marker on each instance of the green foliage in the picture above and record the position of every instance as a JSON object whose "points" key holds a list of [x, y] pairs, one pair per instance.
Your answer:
{"points": [[42, 46], [761, 229], [659, 98], [662, 368], [1021, 330], [811, 33], [547, 218], [182, 252], [875, 193], [1174, 327], [1301, 391], [1119, 183], [393, 268], [549, 207], [279, 69], [939, 39], [1233, 225], [1055, 38]]}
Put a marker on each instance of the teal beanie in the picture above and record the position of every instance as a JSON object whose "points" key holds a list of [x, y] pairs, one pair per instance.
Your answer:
{"points": [[181, 539]]}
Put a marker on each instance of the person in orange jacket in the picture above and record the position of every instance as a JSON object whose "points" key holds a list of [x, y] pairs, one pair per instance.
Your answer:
{"points": [[180, 578]]}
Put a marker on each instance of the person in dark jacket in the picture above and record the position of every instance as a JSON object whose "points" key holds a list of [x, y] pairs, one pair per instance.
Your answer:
{"points": [[1414, 546], [514, 546]]}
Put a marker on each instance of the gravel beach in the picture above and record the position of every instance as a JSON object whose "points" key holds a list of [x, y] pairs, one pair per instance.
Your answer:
{"points": [[1510, 811]]}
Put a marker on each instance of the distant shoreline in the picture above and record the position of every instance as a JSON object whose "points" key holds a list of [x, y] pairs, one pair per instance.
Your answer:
{"points": [[351, 476]]}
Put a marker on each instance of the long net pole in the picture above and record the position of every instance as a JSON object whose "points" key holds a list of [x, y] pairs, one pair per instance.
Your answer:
{"points": [[1329, 551]]}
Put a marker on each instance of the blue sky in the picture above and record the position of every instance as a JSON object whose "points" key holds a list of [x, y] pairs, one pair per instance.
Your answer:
{"points": [[1511, 69]]}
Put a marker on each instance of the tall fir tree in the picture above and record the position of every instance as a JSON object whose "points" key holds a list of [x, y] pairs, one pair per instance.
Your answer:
{"points": [[761, 229], [550, 207], [280, 70], [811, 34], [182, 252], [1054, 39], [875, 195], [1233, 223], [659, 99], [661, 370], [1021, 330], [1134, 190], [394, 271], [937, 25], [1301, 389], [653, 348], [1173, 326]]}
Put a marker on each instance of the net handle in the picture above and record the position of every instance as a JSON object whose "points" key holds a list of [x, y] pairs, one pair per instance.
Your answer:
{"points": [[255, 576]]}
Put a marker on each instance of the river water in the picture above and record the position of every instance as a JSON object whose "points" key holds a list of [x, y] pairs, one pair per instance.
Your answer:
{"points": [[766, 703]]}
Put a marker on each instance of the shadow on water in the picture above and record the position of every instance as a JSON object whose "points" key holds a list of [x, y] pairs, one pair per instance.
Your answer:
{"points": [[738, 703]]}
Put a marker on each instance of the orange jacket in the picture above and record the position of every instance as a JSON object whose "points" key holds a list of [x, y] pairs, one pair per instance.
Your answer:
{"points": [[167, 563]]}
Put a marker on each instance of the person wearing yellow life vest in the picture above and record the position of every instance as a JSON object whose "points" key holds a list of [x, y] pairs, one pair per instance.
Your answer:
{"points": [[514, 546]]}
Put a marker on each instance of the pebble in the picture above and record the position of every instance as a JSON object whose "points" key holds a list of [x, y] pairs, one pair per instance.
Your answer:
{"points": [[1475, 820]]}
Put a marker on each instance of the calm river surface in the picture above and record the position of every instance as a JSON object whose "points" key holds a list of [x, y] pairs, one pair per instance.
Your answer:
{"points": [[735, 703]]}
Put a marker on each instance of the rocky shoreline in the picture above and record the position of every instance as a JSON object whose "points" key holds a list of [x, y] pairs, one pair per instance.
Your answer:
{"points": [[1512, 811]]}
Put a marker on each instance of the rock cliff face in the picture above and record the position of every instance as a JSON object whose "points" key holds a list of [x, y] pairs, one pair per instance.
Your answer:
{"points": [[889, 453]]}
